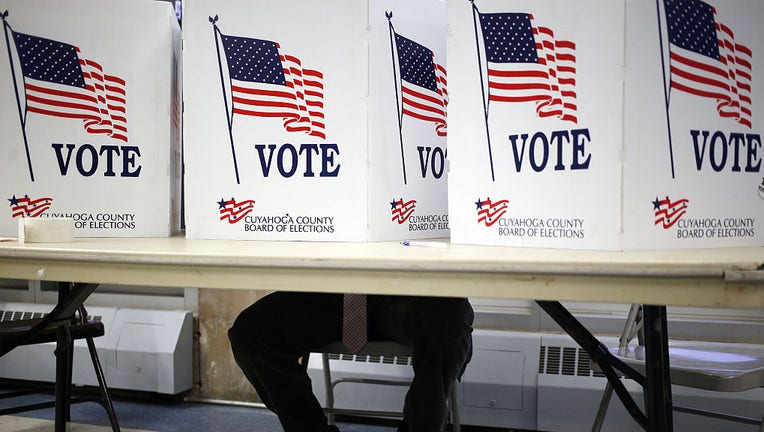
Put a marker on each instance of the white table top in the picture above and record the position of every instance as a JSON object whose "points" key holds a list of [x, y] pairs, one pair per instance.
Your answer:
{"points": [[725, 277]]}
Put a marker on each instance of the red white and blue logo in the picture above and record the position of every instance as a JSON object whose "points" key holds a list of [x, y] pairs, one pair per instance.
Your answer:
{"points": [[232, 211], [668, 211], [401, 210], [490, 211], [27, 207]]}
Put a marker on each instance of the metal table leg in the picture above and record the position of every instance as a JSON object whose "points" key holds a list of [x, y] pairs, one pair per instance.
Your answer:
{"points": [[598, 353], [658, 401], [63, 365]]}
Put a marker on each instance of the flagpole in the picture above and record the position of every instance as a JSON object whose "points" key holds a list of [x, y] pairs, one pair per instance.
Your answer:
{"points": [[398, 112], [6, 27], [228, 115], [482, 88], [666, 90]]}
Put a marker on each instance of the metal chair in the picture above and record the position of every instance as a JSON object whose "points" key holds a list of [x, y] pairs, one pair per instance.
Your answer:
{"points": [[373, 348], [59, 325], [711, 366]]}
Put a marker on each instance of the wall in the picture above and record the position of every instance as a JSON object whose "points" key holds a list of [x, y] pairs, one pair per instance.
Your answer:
{"points": [[220, 376]]}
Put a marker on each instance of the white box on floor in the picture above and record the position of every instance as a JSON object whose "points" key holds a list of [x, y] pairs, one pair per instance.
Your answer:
{"points": [[319, 121], [90, 118], [559, 134]]}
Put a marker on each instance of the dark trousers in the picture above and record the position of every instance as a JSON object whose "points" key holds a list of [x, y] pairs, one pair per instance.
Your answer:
{"points": [[270, 336]]}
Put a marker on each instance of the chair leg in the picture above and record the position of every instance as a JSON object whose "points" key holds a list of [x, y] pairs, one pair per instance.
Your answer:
{"points": [[453, 406], [329, 389], [599, 419], [68, 387], [64, 347], [105, 398]]}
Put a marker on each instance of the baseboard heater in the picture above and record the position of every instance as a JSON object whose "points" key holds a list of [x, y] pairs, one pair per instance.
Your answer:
{"points": [[144, 350]]}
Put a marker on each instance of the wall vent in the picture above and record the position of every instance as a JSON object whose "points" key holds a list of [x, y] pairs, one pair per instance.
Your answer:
{"points": [[11, 315], [406, 361], [571, 361]]}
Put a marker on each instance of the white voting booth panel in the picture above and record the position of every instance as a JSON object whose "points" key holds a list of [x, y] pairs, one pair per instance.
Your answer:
{"points": [[581, 126], [146, 350], [90, 103], [693, 150], [533, 165], [313, 120]]}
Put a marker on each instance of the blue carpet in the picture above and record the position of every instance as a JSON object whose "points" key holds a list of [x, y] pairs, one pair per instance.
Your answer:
{"points": [[175, 416], [161, 414]]}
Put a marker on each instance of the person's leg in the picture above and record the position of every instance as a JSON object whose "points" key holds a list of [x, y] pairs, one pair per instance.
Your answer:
{"points": [[267, 340], [440, 331]]}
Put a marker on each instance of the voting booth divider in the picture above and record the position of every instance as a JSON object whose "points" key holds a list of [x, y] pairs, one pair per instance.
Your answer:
{"points": [[91, 116], [610, 125], [320, 121]]}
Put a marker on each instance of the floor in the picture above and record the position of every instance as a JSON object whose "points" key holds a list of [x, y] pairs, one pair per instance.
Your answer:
{"points": [[139, 413]]}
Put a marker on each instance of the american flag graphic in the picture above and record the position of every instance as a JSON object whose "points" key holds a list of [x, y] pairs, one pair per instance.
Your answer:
{"points": [[28, 207], [526, 63], [60, 82], [706, 60], [268, 83], [423, 83], [668, 212], [233, 211], [489, 212], [401, 210]]}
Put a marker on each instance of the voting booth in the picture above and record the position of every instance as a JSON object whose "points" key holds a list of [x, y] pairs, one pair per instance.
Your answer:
{"points": [[694, 114], [598, 126], [90, 102], [317, 121]]}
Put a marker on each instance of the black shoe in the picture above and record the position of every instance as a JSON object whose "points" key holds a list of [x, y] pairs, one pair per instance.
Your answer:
{"points": [[331, 428]]}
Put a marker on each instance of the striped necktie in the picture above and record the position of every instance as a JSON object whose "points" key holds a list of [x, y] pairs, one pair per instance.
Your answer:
{"points": [[354, 322]]}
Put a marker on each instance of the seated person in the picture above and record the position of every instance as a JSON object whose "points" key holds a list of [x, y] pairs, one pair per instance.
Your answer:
{"points": [[270, 336]]}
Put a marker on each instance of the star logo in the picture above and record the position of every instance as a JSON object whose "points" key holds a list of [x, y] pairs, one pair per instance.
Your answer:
{"points": [[489, 212], [667, 212], [401, 210], [29, 207], [233, 211]]}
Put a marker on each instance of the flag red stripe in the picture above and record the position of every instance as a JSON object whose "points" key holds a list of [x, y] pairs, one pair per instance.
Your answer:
{"points": [[421, 116], [723, 86], [61, 104], [60, 93], [518, 74], [262, 92], [698, 65], [116, 80], [409, 91], [517, 99], [60, 114], [115, 90], [263, 103], [527, 86], [429, 108], [238, 110], [698, 92]]}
